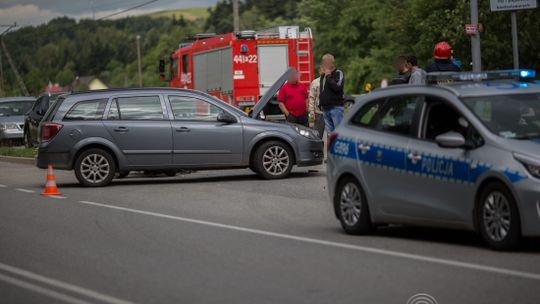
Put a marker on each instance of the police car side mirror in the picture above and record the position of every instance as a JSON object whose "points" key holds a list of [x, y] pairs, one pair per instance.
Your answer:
{"points": [[451, 140]]}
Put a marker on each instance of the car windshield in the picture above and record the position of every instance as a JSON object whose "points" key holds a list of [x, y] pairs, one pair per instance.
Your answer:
{"points": [[514, 116], [15, 108]]}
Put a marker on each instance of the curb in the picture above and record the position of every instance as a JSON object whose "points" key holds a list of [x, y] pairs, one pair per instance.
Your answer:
{"points": [[18, 160]]}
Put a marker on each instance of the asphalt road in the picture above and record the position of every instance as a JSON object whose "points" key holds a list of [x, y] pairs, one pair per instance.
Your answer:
{"points": [[228, 237]]}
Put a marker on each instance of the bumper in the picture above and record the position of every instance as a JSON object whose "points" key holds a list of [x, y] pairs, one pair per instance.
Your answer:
{"points": [[11, 134], [57, 160], [311, 153], [528, 200]]}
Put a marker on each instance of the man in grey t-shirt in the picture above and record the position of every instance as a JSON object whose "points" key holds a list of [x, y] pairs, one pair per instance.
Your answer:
{"points": [[418, 76]]}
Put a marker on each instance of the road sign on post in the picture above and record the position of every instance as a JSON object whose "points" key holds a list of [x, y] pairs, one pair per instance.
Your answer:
{"points": [[513, 6]]}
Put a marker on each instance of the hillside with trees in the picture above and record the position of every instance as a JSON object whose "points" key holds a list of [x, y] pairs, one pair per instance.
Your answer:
{"points": [[365, 36]]}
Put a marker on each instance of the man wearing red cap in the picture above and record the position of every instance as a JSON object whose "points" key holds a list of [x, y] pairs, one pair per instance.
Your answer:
{"points": [[442, 55]]}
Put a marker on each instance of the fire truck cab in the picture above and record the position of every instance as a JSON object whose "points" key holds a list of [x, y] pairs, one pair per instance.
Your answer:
{"points": [[239, 67]]}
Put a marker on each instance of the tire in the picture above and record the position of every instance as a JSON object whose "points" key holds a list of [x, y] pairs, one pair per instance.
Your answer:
{"points": [[497, 208], [273, 160], [123, 174], [95, 168], [170, 173], [351, 208]]}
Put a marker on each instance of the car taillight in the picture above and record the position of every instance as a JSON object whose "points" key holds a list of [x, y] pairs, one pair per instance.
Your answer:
{"points": [[331, 139], [49, 130]]}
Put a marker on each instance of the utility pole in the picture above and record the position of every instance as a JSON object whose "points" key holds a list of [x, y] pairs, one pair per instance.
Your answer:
{"points": [[139, 69], [10, 61], [475, 39], [236, 16], [515, 50]]}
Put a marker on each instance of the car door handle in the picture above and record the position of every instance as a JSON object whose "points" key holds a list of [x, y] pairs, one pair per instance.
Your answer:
{"points": [[364, 148], [414, 158], [183, 129], [121, 129]]}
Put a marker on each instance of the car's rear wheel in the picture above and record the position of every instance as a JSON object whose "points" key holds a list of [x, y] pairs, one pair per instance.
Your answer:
{"points": [[351, 207], [273, 160], [95, 168], [498, 217]]}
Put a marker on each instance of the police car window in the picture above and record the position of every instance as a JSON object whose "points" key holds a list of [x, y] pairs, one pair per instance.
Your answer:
{"points": [[87, 110], [442, 118], [366, 114], [189, 108], [397, 115], [514, 116]]}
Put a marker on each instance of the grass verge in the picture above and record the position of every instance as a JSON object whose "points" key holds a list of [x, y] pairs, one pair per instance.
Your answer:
{"points": [[18, 151]]}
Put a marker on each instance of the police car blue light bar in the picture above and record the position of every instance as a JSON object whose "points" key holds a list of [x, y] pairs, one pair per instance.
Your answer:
{"points": [[449, 77]]}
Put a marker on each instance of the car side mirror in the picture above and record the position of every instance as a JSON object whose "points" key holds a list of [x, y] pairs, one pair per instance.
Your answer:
{"points": [[226, 118], [451, 140]]}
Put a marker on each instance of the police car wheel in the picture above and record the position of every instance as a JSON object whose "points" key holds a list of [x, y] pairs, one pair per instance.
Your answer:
{"points": [[351, 207], [95, 168], [498, 217], [273, 160]]}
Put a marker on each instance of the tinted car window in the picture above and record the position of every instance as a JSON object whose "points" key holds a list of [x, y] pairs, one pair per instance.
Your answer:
{"points": [[397, 115], [136, 108], [15, 108], [189, 108], [87, 110]]}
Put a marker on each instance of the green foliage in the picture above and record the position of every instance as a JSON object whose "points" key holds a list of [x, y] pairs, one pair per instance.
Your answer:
{"points": [[365, 37]]}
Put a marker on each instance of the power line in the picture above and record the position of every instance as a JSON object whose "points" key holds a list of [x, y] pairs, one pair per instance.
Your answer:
{"points": [[127, 9]]}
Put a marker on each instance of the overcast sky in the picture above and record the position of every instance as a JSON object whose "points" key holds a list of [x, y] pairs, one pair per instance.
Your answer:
{"points": [[34, 12]]}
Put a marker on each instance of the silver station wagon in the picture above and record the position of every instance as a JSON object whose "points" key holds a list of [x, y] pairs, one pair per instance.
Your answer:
{"points": [[464, 154], [100, 133]]}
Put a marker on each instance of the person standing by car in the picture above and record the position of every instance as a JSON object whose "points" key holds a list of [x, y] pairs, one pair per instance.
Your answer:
{"points": [[442, 55], [314, 109], [331, 93], [293, 98], [418, 76], [403, 72]]}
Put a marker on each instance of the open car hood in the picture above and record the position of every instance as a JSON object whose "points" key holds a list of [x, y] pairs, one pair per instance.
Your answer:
{"points": [[270, 93]]}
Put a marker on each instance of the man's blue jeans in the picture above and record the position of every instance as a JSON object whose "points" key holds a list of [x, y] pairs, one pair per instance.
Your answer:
{"points": [[332, 118]]}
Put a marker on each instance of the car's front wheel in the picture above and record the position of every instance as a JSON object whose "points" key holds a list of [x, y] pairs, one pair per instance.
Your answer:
{"points": [[273, 160], [498, 217], [351, 207], [95, 168]]}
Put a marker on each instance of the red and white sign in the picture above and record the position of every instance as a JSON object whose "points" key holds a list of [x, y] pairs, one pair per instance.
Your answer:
{"points": [[471, 29]]}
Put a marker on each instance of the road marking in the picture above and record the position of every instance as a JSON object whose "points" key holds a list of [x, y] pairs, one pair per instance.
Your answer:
{"points": [[41, 290], [3, 186], [410, 256], [25, 190], [57, 196], [62, 285]]}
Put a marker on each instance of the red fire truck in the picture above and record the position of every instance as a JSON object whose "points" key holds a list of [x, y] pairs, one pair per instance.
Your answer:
{"points": [[239, 67]]}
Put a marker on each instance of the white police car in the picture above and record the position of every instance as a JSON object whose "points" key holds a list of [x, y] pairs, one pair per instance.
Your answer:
{"points": [[464, 154]]}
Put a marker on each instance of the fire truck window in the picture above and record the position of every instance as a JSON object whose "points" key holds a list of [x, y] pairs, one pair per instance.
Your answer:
{"points": [[185, 64], [189, 108]]}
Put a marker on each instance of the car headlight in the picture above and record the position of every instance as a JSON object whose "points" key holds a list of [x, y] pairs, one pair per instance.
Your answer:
{"points": [[308, 133], [532, 165], [8, 126]]}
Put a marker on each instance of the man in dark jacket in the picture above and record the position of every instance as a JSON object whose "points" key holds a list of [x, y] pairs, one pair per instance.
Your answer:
{"points": [[442, 54], [403, 72], [331, 94]]}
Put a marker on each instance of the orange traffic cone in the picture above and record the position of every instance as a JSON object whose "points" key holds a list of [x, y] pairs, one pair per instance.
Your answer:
{"points": [[50, 186]]}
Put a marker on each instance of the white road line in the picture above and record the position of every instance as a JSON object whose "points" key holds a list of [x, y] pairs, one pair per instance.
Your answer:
{"points": [[62, 285], [410, 256], [41, 290], [57, 196], [3, 186], [25, 190]]}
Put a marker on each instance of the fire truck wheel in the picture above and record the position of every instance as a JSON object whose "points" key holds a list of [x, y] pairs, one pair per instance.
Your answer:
{"points": [[273, 160]]}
